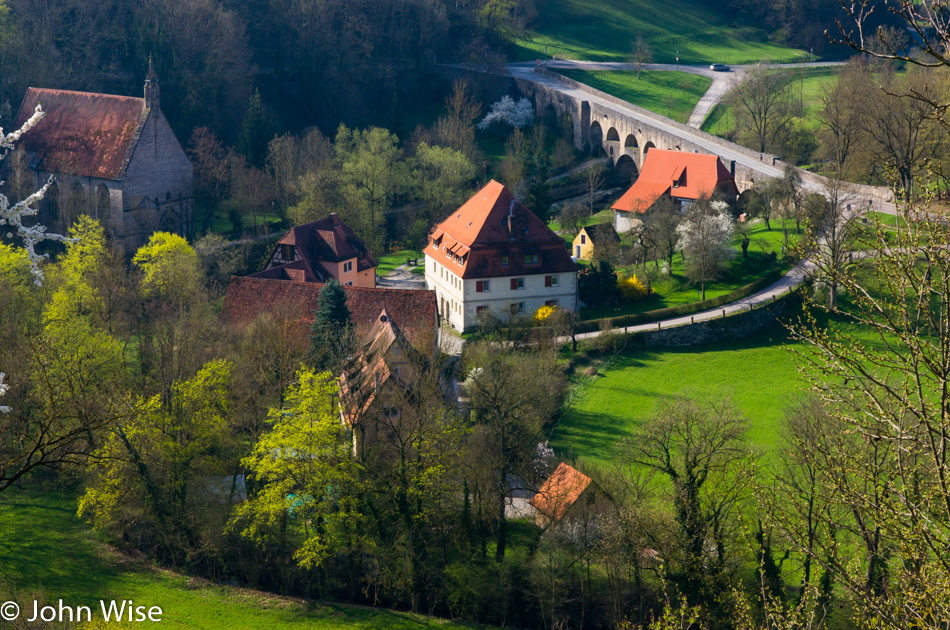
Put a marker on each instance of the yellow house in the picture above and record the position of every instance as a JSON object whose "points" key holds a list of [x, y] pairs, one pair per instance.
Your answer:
{"points": [[592, 236]]}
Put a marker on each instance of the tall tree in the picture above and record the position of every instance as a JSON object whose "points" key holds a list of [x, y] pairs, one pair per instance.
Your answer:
{"points": [[762, 103], [640, 52], [331, 334]]}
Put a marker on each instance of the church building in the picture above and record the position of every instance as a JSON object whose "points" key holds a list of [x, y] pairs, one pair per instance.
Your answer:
{"points": [[114, 158]]}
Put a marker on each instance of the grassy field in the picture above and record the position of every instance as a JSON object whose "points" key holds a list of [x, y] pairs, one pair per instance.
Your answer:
{"points": [[806, 86], [46, 550], [675, 290], [671, 94], [760, 374], [603, 30], [389, 262]]}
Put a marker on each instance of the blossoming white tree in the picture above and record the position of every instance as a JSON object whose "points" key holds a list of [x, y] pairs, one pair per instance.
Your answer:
{"points": [[705, 238], [14, 214], [510, 112]]}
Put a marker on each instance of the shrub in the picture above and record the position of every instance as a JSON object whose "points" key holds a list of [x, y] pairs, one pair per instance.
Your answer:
{"points": [[631, 289], [542, 314]]}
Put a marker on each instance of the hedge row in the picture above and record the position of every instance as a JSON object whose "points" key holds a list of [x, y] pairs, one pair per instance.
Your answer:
{"points": [[660, 314]]}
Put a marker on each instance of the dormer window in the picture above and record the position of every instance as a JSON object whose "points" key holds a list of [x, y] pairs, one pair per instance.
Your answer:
{"points": [[530, 259], [504, 260]]}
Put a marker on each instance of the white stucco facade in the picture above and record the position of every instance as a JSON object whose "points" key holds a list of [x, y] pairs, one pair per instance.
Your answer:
{"points": [[460, 300]]}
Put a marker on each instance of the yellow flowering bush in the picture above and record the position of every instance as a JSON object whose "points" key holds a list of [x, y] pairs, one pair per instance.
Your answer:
{"points": [[543, 313], [631, 288]]}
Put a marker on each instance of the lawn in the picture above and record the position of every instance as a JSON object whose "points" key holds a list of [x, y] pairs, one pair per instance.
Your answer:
{"points": [[45, 549], [806, 85], [760, 374], [389, 262], [603, 30], [670, 94], [676, 290]]}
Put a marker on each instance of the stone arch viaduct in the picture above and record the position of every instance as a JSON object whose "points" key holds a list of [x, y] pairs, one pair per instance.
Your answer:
{"points": [[624, 132]]}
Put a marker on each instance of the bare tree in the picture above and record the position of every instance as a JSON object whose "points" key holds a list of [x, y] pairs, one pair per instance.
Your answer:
{"points": [[762, 104], [841, 116], [640, 52], [594, 179], [833, 218]]}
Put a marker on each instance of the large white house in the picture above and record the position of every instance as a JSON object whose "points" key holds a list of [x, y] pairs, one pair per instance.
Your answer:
{"points": [[494, 253]]}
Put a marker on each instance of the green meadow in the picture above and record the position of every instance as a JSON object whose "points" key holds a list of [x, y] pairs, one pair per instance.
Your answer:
{"points": [[48, 553], [670, 94], [603, 31]]}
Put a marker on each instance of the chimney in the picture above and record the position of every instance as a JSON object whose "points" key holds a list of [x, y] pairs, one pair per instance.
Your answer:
{"points": [[335, 218]]}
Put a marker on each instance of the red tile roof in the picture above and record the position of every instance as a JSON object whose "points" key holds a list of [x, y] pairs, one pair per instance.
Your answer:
{"points": [[697, 175], [329, 240], [92, 135], [560, 491], [492, 224], [414, 311]]}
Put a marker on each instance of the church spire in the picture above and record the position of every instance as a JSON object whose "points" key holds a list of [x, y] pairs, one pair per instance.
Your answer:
{"points": [[151, 86]]}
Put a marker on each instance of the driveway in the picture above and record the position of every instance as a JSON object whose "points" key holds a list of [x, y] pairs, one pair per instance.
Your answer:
{"points": [[401, 278]]}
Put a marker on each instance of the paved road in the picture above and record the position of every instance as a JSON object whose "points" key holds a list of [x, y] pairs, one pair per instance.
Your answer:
{"points": [[402, 278]]}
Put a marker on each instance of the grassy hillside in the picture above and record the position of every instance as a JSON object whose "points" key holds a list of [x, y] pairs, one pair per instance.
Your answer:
{"points": [[601, 30], [671, 94], [46, 550], [805, 85]]}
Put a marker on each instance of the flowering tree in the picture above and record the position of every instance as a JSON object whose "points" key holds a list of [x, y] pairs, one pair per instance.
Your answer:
{"points": [[517, 114], [13, 214], [705, 238]]}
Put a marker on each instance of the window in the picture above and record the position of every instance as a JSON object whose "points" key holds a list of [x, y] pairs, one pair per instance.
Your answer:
{"points": [[348, 284], [391, 412], [530, 258], [479, 309], [287, 252], [583, 239], [504, 260], [348, 267], [517, 284], [482, 286], [517, 308], [550, 303], [550, 281]]}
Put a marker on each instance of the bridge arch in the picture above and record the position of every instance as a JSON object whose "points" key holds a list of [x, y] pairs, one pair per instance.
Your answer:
{"points": [[613, 135], [646, 149], [596, 139], [626, 168], [630, 142]]}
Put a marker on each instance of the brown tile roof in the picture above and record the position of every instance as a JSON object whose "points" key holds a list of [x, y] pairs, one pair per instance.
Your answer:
{"points": [[92, 135], [415, 311], [560, 491], [492, 224], [360, 384], [698, 174], [330, 240]]}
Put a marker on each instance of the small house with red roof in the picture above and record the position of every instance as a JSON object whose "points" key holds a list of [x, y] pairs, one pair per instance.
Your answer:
{"points": [[115, 158], [568, 496], [324, 249], [495, 254], [681, 176]]}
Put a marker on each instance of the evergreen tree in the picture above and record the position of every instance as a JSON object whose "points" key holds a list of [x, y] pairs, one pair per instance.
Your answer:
{"points": [[257, 129], [331, 335]]}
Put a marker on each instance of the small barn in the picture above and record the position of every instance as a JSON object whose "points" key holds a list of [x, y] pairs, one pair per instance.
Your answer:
{"points": [[569, 498], [591, 237]]}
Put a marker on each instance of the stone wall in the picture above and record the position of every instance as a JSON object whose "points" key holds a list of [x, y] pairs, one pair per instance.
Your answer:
{"points": [[735, 326]]}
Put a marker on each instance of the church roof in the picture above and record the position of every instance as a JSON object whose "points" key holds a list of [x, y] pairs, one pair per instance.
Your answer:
{"points": [[82, 133], [415, 311], [491, 225], [677, 173]]}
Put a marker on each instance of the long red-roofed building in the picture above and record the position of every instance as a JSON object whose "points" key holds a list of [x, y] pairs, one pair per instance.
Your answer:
{"points": [[296, 300], [684, 177], [494, 253]]}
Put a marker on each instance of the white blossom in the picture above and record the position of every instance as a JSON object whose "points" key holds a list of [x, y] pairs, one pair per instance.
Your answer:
{"points": [[510, 112], [3, 390], [14, 214]]}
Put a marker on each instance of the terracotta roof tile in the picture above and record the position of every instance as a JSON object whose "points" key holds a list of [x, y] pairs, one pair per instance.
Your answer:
{"points": [[414, 311], [329, 240], [92, 135], [560, 491], [697, 174], [492, 224]]}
